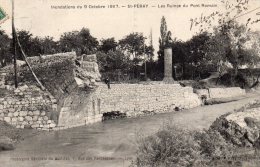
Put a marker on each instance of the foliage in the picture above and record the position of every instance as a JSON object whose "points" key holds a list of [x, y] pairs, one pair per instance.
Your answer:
{"points": [[190, 56], [212, 144], [169, 147], [165, 35], [108, 45], [164, 41], [113, 60], [48, 45], [35, 46], [228, 79], [5, 52], [10, 131], [173, 146], [228, 41], [28, 44], [80, 41], [134, 44], [228, 45]]}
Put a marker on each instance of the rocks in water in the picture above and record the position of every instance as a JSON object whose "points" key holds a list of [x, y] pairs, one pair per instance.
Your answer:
{"points": [[113, 115]]}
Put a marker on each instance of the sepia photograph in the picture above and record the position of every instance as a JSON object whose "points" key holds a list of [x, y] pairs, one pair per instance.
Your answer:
{"points": [[139, 83]]}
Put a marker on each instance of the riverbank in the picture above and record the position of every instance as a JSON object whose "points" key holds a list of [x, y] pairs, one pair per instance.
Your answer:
{"points": [[111, 143]]}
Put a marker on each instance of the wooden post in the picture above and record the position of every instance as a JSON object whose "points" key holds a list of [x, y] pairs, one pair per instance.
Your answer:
{"points": [[14, 47], [30, 68]]}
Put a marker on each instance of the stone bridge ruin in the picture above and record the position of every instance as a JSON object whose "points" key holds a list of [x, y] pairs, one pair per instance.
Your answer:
{"points": [[74, 95]]}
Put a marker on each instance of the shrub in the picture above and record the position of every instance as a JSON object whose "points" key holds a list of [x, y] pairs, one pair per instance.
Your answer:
{"points": [[10, 131], [177, 147], [169, 147], [212, 144]]}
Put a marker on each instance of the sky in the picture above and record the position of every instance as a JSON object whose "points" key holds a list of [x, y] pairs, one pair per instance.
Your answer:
{"points": [[38, 17]]}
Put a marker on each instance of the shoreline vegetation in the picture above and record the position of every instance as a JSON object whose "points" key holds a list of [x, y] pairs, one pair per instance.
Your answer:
{"points": [[175, 146]]}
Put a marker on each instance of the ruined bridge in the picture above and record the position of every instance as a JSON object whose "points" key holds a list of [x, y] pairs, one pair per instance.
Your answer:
{"points": [[74, 95]]}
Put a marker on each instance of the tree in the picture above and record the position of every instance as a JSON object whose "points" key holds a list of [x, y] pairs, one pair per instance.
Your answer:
{"points": [[89, 44], [254, 42], [31, 46], [228, 44], [5, 53], [134, 44], [228, 40], [113, 60], [80, 41], [48, 45], [108, 45], [164, 40], [163, 32]]}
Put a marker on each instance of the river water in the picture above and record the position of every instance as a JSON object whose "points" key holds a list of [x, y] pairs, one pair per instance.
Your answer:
{"points": [[106, 144], [112, 142]]}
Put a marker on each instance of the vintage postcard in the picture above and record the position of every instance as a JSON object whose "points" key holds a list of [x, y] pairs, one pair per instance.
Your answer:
{"points": [[119, 83]]}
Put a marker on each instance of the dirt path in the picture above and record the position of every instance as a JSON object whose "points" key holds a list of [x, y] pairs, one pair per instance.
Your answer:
{"points": [[111, 143]]}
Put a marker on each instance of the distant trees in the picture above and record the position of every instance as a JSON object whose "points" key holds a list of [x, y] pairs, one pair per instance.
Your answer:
{"points": [[113, 60], [107, 45], [125, 56], [207, 52], [203, 53], [80, 41], [134, 44], [221, 43], [31, 46], [228, 44], [35, 46], [190, 56], [5, 54]]}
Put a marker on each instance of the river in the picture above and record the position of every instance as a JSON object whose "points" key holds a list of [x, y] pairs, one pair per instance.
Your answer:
{"points": [[110, 143]]}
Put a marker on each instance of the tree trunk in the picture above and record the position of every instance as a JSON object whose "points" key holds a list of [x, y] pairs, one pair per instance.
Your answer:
{"points": [[183, 70]]}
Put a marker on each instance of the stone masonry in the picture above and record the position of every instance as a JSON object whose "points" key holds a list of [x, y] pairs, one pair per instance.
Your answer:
{"points": [[132, 99], [73, 98], [28, 106], [168, 78], [215, 93]]}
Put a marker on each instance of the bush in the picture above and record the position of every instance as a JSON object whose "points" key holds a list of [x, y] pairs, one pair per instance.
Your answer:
{"points": [[10, 131], [229, 80], [212, 144], [169, 147], [176, 147]]}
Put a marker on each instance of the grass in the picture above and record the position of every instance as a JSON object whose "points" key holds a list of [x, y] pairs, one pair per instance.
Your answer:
{"points": [[9, 136], [10, 131], [173, 146], [168, 147]]}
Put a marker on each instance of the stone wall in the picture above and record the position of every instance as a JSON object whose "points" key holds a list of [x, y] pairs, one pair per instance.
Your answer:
{"points": [[132, 99], [59, 73], [28, 106], [72, 97], [214, 93], [226, 92]]}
